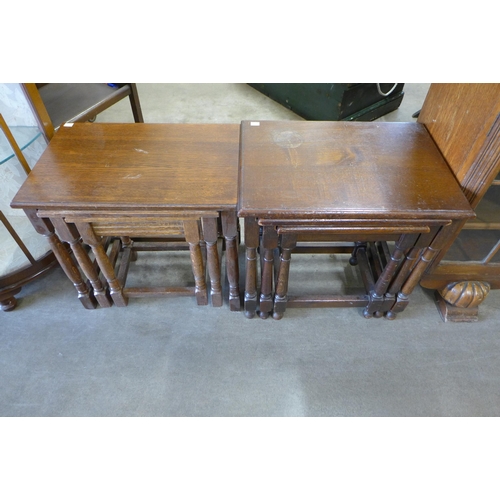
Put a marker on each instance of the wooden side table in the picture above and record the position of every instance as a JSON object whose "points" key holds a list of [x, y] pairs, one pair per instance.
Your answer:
{"points": [[131, 181], [369, 183]]}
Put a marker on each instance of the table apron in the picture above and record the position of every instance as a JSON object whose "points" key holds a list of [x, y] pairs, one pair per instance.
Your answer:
{"points": [[87, 216], [354, 230]]}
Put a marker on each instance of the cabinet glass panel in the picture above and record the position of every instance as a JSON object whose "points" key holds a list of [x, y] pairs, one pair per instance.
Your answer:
{"points": [[479, 241], [21, 122], [12, 258]]}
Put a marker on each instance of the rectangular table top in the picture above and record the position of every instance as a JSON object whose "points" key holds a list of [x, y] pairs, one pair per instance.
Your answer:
{"points": [[315, 170], [97, 166]]}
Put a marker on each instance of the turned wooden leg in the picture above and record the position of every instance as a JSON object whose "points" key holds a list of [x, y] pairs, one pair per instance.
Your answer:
{"points": [[375, 299], [408, 264], [127, 242], [9, 302], [7, 305], [404, 243], [135, 103], [266, 287], [459, 301], [192, 235], [69, 234], [288, 243], [210, 234], [251, 244], [90, 238], [231, 236], [425, 259], [354, 255], [45, 227], [268, 245], [381, 298]]}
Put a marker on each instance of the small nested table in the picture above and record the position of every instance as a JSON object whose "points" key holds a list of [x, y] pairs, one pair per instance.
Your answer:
{"points": [[144, 181], [368, 183]]}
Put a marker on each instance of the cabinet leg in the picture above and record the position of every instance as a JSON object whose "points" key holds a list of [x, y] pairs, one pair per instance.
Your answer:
{"points": [[9, 303], [459, 301]]}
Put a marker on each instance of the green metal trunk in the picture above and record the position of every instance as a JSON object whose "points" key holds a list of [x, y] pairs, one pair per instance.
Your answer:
{"points": [[335, 101]]}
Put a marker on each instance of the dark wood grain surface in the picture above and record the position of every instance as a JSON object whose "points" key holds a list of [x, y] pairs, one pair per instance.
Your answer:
{"points": [[337, 170], [141, 166]]}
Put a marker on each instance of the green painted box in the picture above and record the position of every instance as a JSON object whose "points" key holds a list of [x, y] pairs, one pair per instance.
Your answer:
{"points": [[335, 101]]}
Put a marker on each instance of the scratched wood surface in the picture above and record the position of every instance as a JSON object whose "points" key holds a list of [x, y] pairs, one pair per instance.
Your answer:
{"points": [[106, 165], [319, 170]]}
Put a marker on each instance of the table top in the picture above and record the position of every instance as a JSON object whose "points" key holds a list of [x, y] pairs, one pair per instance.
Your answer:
{"points": [[97, 166], [376, 170]]}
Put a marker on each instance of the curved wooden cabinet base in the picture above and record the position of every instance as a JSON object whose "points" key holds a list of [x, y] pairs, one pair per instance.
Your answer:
{"points": [[459, 301], [11, 285]]}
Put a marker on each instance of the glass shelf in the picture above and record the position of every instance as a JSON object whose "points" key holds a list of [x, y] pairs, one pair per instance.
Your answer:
{"points": [[24, 136]]}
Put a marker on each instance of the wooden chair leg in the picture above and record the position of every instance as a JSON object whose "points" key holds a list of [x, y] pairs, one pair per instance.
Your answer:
{"points": [[135, 103]]}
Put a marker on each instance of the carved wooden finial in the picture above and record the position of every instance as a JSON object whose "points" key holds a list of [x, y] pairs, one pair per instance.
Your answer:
{"points": [[459, 301], [465, 293]]}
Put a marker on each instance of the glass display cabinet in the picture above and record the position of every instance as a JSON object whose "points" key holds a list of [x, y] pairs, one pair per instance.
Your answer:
{"points": [[469, 138], [24, 254]]}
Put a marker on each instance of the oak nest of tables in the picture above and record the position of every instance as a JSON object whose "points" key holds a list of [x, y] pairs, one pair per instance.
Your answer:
{"points": [[137, 181], [365, 183]]}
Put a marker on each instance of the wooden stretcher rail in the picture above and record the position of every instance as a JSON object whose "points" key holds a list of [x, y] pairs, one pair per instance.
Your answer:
{"points": [[157, 291], [313, 301]]}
